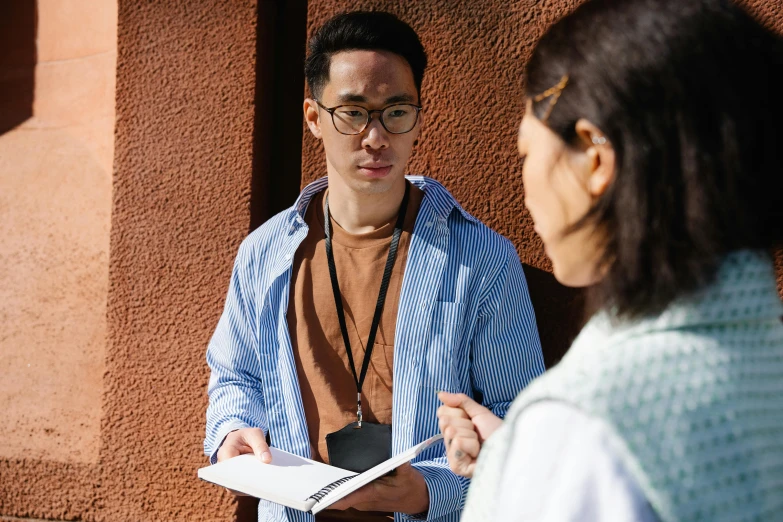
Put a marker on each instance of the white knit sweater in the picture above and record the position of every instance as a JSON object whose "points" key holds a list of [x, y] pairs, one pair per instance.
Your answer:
{"points": [[694, 398]]}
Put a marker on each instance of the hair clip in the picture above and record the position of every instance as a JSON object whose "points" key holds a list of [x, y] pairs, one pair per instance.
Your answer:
{"points": [[554, 93]]}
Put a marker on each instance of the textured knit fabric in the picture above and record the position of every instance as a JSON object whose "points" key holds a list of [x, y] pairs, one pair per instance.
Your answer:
{"points": [[464, 324], [694, 398]]}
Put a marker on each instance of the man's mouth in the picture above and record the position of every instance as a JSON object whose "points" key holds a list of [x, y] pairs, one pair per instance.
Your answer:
{"points": [[375, 170]]}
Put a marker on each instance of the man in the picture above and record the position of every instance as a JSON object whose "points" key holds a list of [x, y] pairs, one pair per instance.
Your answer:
{"points": [[367, 263]]}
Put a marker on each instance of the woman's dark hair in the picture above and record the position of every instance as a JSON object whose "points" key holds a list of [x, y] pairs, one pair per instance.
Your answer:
{"points": [[362, 30], [688, 93]]}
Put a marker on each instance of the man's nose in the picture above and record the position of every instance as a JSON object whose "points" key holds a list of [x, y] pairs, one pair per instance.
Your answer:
{"points": [[375, 136]]}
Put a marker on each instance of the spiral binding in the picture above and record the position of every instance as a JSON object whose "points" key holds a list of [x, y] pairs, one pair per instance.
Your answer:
{"points": [[331, 487]]}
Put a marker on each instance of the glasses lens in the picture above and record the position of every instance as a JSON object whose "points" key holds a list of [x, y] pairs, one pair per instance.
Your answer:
{"points": [[349, 119], [399, 119]]}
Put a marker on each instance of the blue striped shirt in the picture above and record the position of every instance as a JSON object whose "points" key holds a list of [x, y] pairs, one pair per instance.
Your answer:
{"points": [[465, 323]]}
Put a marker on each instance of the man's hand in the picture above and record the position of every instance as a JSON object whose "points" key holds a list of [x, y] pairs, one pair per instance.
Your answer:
{"points": [[465, 425], [239, 442], [404, 492]]}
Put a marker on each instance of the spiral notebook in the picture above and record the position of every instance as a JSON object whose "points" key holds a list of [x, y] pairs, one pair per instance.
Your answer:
{"points": [[297, 482]]}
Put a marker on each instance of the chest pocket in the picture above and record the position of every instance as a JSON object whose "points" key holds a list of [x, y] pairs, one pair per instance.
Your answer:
{"points": [[444, 346]]}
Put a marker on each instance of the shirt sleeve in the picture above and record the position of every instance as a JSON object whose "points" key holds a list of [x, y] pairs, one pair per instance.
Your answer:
{"points": [[561, 468], [446, 489], [506, 356], [235, 394], [505, 349]]}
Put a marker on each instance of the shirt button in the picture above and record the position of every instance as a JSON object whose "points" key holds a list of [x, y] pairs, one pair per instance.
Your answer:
{"points": [[288, 257], [424, 305]]}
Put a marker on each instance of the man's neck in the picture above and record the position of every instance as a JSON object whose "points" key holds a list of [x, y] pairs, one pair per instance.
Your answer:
{"points": [[359, 213]]}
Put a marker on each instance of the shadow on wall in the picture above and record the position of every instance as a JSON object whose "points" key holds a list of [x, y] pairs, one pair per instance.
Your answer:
{"points": [[559, 313], [281, 37], [18, 22]]}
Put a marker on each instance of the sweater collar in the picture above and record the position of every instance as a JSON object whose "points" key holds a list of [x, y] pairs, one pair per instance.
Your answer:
{"points": [[744, 290]]}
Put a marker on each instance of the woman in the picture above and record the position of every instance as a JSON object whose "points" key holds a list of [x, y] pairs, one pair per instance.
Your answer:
{"points": [[652, 172]]}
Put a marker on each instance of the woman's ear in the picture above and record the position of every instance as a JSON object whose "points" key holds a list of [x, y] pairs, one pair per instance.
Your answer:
{"points": [[312, 117], [600, 157]]}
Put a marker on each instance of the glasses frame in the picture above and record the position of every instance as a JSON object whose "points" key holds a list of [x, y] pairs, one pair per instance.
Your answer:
{"points": [[331, 110]]}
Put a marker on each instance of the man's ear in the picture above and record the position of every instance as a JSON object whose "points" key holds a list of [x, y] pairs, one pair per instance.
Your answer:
{"points": [[312, 117], [420, 123], [600, 157]]}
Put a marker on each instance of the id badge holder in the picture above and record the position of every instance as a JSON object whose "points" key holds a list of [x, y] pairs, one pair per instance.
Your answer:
{"points": [[359, 447]]}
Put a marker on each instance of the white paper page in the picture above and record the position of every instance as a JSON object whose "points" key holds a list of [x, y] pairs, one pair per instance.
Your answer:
{"points": [[289, 480], [373, 473]]}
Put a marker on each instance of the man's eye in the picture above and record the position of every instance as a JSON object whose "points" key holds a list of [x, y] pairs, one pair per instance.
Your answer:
{"points": [[398, 113], [351, 114]]}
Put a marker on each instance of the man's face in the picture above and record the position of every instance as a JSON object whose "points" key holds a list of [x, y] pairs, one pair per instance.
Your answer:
{"points": [[374, 160]]}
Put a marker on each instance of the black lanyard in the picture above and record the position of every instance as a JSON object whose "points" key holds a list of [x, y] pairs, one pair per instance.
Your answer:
{"points": [[381, 296]]}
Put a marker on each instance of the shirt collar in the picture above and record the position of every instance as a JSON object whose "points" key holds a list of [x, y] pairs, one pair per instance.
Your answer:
{"points": [[435, 195]]}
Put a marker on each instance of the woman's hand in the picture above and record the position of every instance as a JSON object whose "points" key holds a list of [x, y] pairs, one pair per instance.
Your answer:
{"points": [[465, 425]]}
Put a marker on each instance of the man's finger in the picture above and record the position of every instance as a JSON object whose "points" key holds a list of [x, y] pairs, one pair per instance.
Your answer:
{"points": [[227, 451], [354, 500], [460, 400], [237, 493], [402, 469], [254, 438], [342, 504]]}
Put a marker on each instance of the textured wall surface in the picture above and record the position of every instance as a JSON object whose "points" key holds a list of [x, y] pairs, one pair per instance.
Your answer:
{"points": [[181, 193], [183, 166], [55, 203]]}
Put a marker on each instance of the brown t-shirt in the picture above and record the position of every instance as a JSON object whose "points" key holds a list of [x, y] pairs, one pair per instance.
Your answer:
{"points": [[325, 378]]}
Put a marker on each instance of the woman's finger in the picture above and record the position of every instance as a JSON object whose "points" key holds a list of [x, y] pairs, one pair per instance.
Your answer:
{"points": [[462, 446], [456, 422], [448, 411], [460, 462]]}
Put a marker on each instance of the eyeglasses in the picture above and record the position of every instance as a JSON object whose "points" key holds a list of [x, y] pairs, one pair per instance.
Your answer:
{"points": [[353, 119]]}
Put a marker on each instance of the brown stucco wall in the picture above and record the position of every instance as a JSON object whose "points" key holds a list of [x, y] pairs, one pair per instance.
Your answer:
{"points": [[56, 154], [183, 167], [191, 178], [180, 207]]}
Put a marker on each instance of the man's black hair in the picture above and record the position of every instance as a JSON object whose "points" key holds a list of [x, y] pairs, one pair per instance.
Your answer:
{"points": [[362, 30]]}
